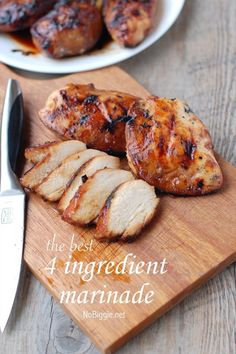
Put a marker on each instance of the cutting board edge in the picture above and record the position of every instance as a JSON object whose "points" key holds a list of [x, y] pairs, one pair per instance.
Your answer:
{"points": [[113, 347]]}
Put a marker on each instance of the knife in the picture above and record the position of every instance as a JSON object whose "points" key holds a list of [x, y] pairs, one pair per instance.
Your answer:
{"points": [[12, 201]]}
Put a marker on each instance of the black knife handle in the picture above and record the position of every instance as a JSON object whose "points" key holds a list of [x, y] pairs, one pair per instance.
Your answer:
{"points": [[10, 135], [15, 130]]}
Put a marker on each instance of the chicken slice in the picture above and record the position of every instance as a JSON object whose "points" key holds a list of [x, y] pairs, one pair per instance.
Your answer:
{"points": [[87, 170], [55, 184], [91, 196], [36, 154], [52, 160], [129, 208], [170, 148]]}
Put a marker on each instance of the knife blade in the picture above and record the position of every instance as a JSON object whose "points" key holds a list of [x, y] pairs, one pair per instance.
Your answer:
{"points": [[12, 201]]}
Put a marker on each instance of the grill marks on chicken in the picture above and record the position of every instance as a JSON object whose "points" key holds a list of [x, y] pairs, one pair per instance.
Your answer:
{"points": [[170, 148], [167, 146], [166, 143], [21, 14], [129, 21], [96, 117], [127, 211], [71, 28]]}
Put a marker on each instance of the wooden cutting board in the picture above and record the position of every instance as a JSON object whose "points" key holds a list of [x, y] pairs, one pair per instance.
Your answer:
{"points": [[197, 236]]}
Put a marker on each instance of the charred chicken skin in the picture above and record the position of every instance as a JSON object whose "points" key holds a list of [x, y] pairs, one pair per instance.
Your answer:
{"points": [[71, 28], [21, 14], [96, 117], [129, 21], [170, 148]]}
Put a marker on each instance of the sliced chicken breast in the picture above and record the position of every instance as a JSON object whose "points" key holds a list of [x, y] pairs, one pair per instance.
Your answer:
{"points": [[129, 208], [170, 148], [55, 184], [87, 170], [53, 159], [37, 153], [91, 196]]}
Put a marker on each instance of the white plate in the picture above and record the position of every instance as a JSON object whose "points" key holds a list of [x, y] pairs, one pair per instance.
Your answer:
{"points": [[168, 11]]}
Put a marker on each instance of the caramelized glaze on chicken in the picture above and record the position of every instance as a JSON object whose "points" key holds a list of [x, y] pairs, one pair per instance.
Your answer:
{"points": [[95, 117], [71, 28], [129, 21], [170, 148], [21, 14]]}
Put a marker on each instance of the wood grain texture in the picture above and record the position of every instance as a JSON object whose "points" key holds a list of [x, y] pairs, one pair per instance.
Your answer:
{"points": [[196, 61]]}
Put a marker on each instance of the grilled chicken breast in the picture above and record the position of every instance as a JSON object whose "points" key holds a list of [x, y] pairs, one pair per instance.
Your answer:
{"points": [[55, 184], [171, 149], [52, 160], [71, 28], [21, 14], [129, 21], [96, 117], [87, 170], [91, 196], [129, 208]]}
